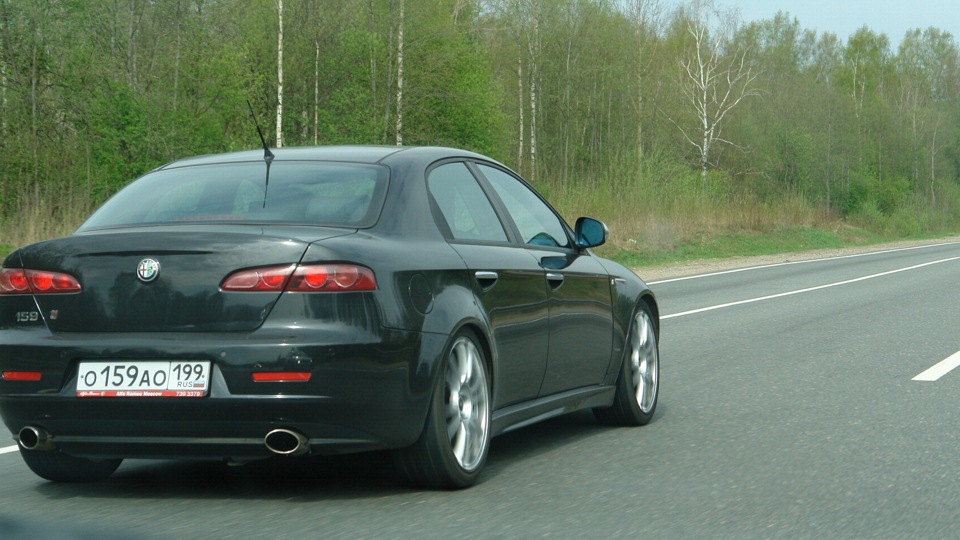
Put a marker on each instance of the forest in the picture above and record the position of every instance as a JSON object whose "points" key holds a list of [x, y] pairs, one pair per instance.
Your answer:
{"points": [[673, 123]]}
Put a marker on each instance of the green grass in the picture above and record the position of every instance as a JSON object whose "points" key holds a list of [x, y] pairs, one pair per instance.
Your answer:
{"points": [[741, 244], [5, 249]]}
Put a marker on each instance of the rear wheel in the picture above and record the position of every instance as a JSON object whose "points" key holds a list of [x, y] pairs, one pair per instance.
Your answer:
{"points": [[452, 449], [59, 467], [639, 381]]}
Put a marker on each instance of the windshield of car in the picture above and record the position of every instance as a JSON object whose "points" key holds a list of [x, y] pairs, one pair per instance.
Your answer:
{"points": [[315, 193]]}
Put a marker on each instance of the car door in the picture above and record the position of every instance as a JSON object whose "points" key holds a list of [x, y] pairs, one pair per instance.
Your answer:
{"points": [[580, 308], [507, 281]]}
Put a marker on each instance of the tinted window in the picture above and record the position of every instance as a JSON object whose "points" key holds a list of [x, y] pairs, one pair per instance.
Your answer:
{"points": [[334, 194], [537, 223], [465, 208]]}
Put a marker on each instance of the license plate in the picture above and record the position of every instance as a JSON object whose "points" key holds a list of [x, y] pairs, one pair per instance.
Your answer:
{"points": [[179, 378]]}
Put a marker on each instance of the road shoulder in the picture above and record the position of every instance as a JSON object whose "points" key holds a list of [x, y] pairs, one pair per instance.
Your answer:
{"points": [[706, 266]]}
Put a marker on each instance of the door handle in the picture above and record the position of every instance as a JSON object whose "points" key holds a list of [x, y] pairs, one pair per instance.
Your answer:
{"points": [[555, 280], [486, 279]]}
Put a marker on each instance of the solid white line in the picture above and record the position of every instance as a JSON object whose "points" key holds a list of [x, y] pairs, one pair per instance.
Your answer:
{"points": [[817, 288], [8, 449], [788, 263], [940, 369]]}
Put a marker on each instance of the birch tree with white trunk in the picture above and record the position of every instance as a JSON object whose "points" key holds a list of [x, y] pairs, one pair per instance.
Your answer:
{"points": [[400, 77], [3, 82], [716, 76], [535, 51], [280, 75]]}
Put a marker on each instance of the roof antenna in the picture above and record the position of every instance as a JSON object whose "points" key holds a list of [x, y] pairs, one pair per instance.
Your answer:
{"points": [[267, 154]]}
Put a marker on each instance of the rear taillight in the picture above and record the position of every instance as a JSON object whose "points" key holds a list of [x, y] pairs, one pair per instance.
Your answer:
{"points": [[305, 278], [332, 277], [25, 281], [272, 278]]}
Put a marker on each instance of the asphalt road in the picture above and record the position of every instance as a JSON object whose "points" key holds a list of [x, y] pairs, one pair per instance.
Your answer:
{"points": [[789, 409]]}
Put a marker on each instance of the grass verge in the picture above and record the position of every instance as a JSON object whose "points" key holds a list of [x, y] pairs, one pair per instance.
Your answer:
{"points": [[744, 244]]}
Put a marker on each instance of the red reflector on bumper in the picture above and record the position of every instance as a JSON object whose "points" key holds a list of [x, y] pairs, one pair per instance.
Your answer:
{"points": [[22, 375], [282, 376]]}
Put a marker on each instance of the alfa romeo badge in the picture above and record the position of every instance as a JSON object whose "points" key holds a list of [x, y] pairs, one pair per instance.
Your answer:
{"points": [[148, 270]]}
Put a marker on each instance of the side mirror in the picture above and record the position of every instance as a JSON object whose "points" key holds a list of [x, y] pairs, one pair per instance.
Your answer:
{"points": [[590, 232]]}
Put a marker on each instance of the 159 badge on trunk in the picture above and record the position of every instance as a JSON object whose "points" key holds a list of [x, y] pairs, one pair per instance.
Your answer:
{"points": [[27, 316]]}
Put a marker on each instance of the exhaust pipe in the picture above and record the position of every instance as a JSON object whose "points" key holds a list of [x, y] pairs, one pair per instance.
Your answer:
{"points": [[34, 438], [287, 442]]}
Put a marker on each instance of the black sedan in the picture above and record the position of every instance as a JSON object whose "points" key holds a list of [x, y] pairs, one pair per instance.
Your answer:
{"points": [[312, 301]]}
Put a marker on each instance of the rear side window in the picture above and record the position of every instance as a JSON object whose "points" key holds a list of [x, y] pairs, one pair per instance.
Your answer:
{"points": [[466, 210], [315, 193]]}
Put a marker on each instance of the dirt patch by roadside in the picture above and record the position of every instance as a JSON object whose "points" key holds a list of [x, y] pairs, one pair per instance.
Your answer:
{"points": [[654, 273]]}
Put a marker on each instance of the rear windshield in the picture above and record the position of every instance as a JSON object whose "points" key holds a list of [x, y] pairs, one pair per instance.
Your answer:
{"points": [[315, 193]]}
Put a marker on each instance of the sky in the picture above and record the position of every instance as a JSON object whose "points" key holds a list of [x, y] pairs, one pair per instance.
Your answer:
{"points": [[844, 17]]}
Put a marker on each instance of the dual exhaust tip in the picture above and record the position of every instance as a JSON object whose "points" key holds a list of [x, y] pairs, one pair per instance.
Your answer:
{"points": [[284, 442]]}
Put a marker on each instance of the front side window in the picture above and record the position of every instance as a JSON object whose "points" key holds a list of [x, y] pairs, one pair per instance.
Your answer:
{"points": [[537, 223], [466, 210]]}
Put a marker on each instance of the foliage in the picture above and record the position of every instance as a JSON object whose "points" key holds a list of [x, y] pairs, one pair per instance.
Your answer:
{"points": [[586, 98]]}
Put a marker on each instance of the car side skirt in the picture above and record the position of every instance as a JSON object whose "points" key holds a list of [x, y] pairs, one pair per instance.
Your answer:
{"points": [[530, 412]]}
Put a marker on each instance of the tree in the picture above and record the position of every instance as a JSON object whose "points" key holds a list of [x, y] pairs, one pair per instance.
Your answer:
{"points": [[865, 60], [280, 74], [928, 78], [3, 71], [510, 23], [716, 77], [400, 24], [646, 16]]}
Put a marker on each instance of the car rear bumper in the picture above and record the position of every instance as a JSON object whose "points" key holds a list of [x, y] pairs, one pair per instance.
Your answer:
{"points": [[222, 428], [359, 397]]}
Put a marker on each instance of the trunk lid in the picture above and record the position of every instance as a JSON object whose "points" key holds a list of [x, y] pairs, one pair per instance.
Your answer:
{"points": [[184, 296]]}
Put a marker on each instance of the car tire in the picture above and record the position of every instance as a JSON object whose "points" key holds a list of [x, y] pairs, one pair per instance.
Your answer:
{"points": [[453, 447], [638, 384], [59, 467]]}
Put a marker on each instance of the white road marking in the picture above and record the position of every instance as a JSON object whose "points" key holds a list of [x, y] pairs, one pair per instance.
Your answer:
{"points": [[8, 449], [940, 369], [809, 289], [788, 263]]}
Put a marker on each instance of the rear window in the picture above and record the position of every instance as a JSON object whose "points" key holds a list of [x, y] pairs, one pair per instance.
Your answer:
{"points": [[315, 193]]}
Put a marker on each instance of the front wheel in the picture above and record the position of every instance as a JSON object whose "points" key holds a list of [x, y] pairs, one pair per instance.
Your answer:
{"points": [[59, 467], [639, 381], [452, 449]]}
